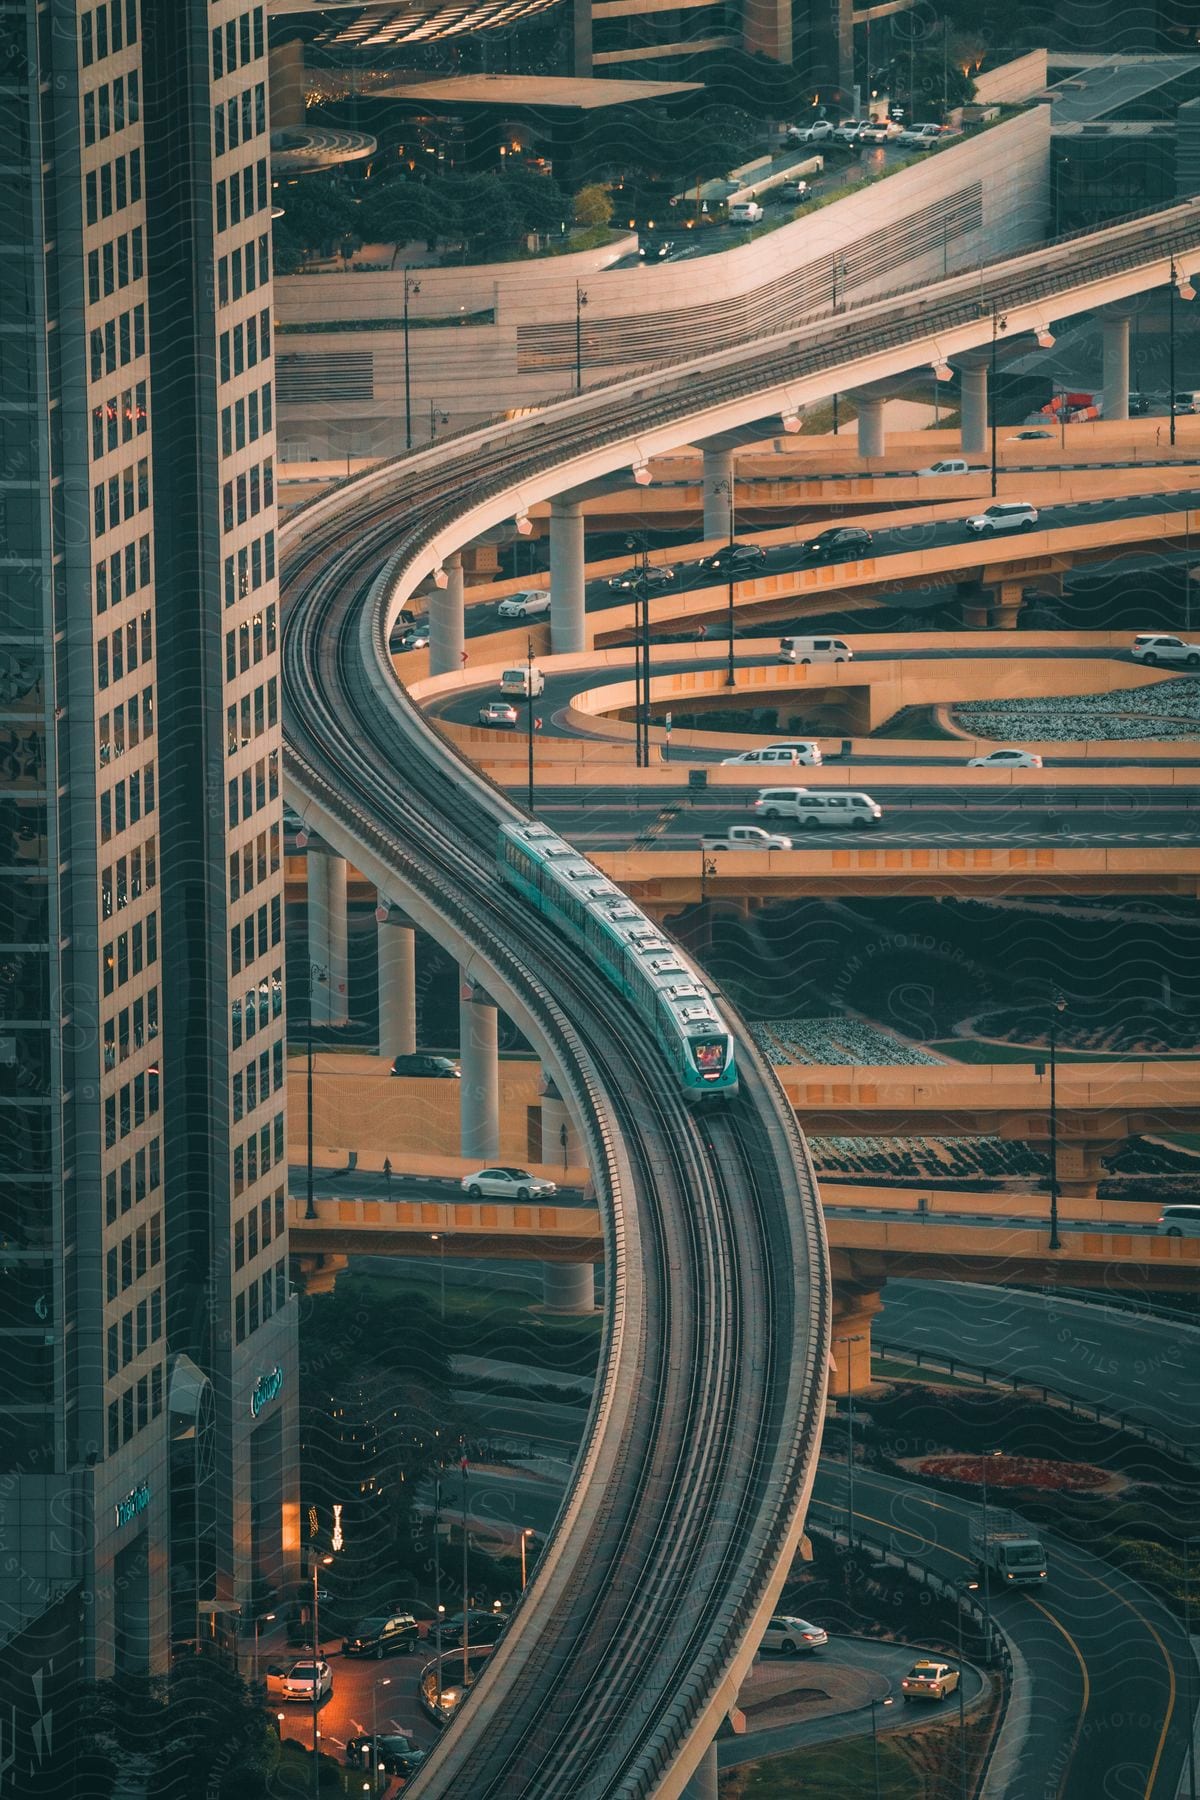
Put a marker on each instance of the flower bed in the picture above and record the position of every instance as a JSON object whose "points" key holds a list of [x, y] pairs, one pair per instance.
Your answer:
{"points": [[1017, 1472]]}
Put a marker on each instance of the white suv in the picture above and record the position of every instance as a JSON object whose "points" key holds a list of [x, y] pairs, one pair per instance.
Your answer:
{"points": [[791, 1636], [1166, 649], [1004, 515]]}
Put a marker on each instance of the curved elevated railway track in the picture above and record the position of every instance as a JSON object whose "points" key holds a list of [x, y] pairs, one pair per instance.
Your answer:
{"points": [[689, 1495]]}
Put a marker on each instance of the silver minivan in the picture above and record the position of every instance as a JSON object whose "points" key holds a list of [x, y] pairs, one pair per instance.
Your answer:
{"points": [[811, 809], [1180, 1221], [814, 650]]}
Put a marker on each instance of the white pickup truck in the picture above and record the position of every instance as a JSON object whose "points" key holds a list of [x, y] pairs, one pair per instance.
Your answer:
{"points": [[747, 837]]}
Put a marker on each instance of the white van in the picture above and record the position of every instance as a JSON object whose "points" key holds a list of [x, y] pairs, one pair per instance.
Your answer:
{"points": [[523, 681], [1180, 1221], [811, 809], [814, 650]]}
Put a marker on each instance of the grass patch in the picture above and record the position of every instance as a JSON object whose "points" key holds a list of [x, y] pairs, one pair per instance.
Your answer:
{"points": [[834, 1771], [980, 1050], [884, 1368], [479, 1323]]}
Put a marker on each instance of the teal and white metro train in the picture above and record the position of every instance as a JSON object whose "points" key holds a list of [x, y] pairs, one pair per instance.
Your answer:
{"points": [[634, 955]]}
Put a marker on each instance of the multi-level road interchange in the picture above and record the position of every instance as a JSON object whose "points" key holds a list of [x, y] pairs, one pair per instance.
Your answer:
{"points": [[689, 1494]]}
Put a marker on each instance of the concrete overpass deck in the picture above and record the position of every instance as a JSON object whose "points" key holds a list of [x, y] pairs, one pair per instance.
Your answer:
{"points": [[864, 1250]]}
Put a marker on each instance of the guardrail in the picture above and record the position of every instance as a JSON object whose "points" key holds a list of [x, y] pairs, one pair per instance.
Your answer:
{"points": [[995, 1647], [1050, 1395]]}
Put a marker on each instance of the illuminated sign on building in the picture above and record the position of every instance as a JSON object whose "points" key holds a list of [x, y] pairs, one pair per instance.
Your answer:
{"points": [[135, 1502], [338, 1540], [265, 1390]]}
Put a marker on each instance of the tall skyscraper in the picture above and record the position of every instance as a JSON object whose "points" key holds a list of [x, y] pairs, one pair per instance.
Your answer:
{"points": [[147, 1343]]}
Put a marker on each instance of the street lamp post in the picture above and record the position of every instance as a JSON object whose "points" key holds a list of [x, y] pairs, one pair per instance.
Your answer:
{"points": [[964, 1587], [318, 1564], [1057, 1009], [439, 1238], [439, 1610], [1171, 345], [375, 1687], [436, 418], [839, 268], [316, 975], [998, 325], [1191, 1666], [525, 1533], [641, 654], [886, 1701], [529, 723], [849, 1341], [987, 1588], [410, 287], [581, 301]]}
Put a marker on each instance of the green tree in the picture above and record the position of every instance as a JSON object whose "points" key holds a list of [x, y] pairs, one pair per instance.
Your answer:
{"points": [[488, 219], [319, 212], [538, 201], [593, 205], [406, 211]]}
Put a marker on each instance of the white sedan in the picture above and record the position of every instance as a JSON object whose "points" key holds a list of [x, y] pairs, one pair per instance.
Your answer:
{"points": [[303, 1678], [507, 1184], [529, 605], [498, 712], [1006, 759], [791, 1636]]}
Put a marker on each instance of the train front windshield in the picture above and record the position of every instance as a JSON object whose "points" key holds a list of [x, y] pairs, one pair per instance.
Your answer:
{"points": [[709, 1056]]}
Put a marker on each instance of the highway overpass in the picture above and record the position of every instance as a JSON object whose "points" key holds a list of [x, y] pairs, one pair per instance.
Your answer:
{"points": [[703, 1440]]}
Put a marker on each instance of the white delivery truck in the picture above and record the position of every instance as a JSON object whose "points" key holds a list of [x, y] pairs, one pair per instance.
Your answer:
{"points": [[523, 681], [1005, 1544]]}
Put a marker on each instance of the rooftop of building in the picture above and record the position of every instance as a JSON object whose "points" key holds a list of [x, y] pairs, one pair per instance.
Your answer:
{"points": [[544, 92], [1097, 87]]}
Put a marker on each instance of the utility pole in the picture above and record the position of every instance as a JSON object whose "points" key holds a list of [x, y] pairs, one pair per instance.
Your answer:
{"points": [[998, 325], [1058, 1008], [410, 287], [316, 974], [581, 301], [529, 722], [466, 1615]]}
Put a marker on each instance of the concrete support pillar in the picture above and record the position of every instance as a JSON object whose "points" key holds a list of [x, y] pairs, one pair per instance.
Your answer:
{"points": [[397, 943], [568, 619], [1115, 330], [973, 431], [568, 1287], [870, 427], [1081, 1166], [447, 622], [705, 1781], [286, 63], [479, 1088], [718, 493], [850, 1339], [326, 876]]}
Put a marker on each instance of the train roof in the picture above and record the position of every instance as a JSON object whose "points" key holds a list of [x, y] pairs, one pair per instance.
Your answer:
{"points": [[682, 988]]}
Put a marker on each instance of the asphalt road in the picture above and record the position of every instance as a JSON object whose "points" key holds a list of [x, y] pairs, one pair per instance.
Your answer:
{"points": [[1127, 1363], [670, 818], [1107, 1663], [371, 1186], [894, 540]]}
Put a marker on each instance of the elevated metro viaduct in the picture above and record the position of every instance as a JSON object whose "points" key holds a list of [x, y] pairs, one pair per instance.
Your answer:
{"points": [[589, 438]]}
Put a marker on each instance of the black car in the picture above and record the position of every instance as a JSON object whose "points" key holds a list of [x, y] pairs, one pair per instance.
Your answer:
{"points": [[654, 575], [394, 1752], [389, 1634], [484, 1628], [439, 1068], [838, 544], [734, 556]]}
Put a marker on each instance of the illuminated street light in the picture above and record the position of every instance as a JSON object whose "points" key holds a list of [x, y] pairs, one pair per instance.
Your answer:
{"points": [[440, 577], [791, 421], [524, 524], [641, 474]]}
